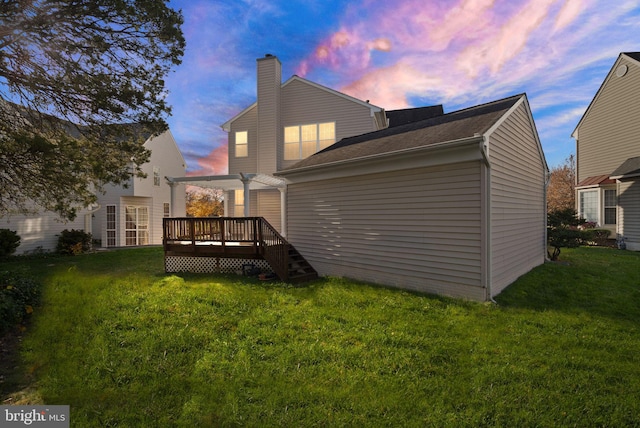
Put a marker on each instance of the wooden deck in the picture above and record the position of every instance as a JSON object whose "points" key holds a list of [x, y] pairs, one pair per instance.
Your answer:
{"points": [[235, 237]]}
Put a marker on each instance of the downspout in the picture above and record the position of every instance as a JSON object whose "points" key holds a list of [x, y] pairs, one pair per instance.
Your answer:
{"points": [[487, 214], [547, 178]]}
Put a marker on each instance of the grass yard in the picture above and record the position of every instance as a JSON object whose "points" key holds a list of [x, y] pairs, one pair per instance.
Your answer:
{"points": [[126, 345]]}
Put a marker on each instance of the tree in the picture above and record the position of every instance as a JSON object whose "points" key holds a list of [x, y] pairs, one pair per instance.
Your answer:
{"points": [[72, 73], [204, 203], [565, 229], [561, 188]]}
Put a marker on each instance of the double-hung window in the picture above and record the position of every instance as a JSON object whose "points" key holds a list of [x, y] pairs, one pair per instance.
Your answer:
{"points": [[610, 204], [242, 144], [301, 141]]}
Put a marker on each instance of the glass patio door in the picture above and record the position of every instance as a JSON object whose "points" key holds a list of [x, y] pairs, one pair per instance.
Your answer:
{"points": [[137, 225]]}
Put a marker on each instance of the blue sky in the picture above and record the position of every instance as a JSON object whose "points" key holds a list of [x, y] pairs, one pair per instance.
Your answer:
{"points": [[405, 53]]}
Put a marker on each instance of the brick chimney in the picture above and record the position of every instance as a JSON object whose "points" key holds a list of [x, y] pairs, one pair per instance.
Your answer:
{"points": [[269, 121]]}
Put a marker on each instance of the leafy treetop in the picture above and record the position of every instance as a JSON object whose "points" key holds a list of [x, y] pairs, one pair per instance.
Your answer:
{"points": [[70, 73]]}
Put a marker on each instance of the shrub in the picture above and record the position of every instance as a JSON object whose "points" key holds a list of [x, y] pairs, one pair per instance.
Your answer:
{"points": [[18, 296], [73, 242], [565, 229], [9, 242]]}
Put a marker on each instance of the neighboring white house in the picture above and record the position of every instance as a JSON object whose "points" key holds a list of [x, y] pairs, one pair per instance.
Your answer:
{"points": [[132, 215], [608, 153], [417, 199], [122, 216]]}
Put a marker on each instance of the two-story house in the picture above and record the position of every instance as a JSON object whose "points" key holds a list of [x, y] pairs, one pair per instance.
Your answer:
{"points": [[132, 215], [128, 215], [608, 153], [417, 199]]}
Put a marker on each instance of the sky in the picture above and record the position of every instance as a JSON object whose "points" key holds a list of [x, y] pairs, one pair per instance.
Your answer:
{"points": [[398, 54]]}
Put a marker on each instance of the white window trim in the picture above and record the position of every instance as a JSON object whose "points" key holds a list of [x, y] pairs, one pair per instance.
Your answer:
{"points": [[600, 208], [244, 145], [299, 142]]}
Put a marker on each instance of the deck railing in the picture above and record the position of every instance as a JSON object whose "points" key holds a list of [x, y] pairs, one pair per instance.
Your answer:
{"points": [[227, 237]]}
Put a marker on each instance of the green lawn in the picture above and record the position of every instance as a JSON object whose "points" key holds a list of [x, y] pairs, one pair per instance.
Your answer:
{"points": [[126, 345]]}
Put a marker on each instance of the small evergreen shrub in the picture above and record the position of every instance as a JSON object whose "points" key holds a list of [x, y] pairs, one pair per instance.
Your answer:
{"points": [[73, 242], [9, 242], [18, 296]]}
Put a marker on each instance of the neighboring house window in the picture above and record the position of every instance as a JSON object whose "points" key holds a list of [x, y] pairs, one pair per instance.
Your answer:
{"points": [[111, 225], [156, 176], [610, 205], [589, 205], [137, 225], [167, 209], [239, 203], [242, 144], [304, 140]]}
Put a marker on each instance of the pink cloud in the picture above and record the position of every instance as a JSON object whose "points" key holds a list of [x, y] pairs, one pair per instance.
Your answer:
{"points": [[443, 49], [568, 14], [215, 163]]}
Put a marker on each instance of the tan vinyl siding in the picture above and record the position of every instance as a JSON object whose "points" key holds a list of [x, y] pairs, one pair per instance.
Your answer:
{"points": [[416, 229], [247, 122], [517, 201], [269, 132], [269, 207], [304, 104], [609, 133], [629, 212]]}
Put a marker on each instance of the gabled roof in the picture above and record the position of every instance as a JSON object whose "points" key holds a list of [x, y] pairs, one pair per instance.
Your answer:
{"points": [[447, 128], [629, 168], [596, 180], [377, 112], [633, 56]]}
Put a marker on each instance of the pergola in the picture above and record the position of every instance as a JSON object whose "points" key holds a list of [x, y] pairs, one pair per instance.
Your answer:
{"points": [[241, 181]]}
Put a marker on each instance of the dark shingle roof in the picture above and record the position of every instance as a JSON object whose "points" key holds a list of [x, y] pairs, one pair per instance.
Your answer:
{"points": [[629, 167], [408, 115], [634, 55], [441, 129]]}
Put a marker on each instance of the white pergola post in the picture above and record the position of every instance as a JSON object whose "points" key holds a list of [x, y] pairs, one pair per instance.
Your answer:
{"points": [[283, 211], [225, 203], [247, 200]]}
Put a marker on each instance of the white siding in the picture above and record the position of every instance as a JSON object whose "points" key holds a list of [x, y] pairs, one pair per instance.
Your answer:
{"points": [[41, 231], [165, 156], [415, 229], [629, 215], [517, 200]]}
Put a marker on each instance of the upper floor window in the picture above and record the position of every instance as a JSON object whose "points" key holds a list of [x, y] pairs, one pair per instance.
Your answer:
{"points": [[302, 141], [610, 204], [156, 176], [242, 144]]}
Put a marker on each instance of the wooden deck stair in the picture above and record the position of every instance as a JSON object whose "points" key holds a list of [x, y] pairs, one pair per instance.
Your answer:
{"points": [[299, 269], [236, 237]]}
